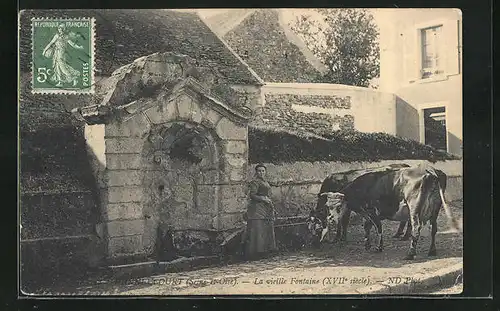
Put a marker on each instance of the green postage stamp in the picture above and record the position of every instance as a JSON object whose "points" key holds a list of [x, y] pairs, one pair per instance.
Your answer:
{"points": [[63, 55]]}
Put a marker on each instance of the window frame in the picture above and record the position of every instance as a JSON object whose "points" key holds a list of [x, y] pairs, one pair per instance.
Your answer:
{"points": [[418, 28], [437, 47]]}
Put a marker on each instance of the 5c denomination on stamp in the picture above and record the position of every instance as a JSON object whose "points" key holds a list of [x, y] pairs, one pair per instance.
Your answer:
{"points": [[63, 55]]}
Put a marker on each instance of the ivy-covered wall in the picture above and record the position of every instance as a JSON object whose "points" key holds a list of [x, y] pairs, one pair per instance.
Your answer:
{"points": [[274, 145]]}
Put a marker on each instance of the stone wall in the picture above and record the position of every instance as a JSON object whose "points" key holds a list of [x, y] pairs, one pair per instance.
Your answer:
{"points": [[322, 106], [295, 185], [281, 111]]}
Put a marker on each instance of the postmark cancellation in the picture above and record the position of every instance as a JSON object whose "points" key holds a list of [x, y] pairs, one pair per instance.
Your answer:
{"points": [[63, 55]]}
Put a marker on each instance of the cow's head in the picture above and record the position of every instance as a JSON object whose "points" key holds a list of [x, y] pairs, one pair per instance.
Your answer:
{"points": [[327, 213], [335, 203]]}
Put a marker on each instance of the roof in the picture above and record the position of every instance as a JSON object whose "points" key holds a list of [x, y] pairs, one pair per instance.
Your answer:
{"points": [[263, 41], [125, 35], [225, 20], [38, 111]]}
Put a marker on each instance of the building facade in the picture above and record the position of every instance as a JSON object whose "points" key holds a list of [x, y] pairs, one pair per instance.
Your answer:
{"points": [[421, 63], [420, 86]]}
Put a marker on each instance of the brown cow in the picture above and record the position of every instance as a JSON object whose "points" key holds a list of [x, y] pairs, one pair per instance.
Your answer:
{"points": [[335, 183], [378, 196]]}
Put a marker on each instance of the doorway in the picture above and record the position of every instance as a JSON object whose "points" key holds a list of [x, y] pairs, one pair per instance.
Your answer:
{"points": [[435, 128]]}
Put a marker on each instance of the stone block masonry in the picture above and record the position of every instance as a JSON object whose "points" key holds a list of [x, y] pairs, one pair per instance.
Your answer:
{"points": [[172, 153], [118, 161], [218, 198], [124, 245], [227, 129], [123, 145], [124, 211], [236, 146], [137, 126], [123, 194], [116, 178], [159, 115], [233, 198], [119, 228]]}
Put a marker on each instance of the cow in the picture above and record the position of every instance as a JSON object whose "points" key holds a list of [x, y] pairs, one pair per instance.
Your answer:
{"points": [[318, 224], [414, 193]]}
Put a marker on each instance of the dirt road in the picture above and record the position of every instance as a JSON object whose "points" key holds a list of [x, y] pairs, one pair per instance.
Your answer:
{"points": [[335, 269]]}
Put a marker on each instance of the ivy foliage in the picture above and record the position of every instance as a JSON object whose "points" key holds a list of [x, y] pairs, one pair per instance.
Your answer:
{"points": [[271, 145]]}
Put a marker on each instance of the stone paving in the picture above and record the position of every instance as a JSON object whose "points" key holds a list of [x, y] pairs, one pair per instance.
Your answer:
{"points": [[334, 269]]}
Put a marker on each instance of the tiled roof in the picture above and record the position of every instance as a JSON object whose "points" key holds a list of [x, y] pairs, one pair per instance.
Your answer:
{"points": [[262, 43], [125, 35], [38, 111], [225, 21]]}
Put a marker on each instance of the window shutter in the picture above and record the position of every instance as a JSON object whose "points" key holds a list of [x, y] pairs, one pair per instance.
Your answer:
{"points": [[451, 47], [411, 52]]}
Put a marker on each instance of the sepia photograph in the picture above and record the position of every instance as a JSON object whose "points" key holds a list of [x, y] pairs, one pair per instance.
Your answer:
{"points": [[210, 152]]}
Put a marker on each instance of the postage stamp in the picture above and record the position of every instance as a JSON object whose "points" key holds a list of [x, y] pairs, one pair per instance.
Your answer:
{"points": [[63, 55]]}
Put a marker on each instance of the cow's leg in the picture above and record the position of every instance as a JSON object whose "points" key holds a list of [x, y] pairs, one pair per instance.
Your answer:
{"points": [[378, 225], [415, 235], [368, 226], [338, 235], [432, 249], [341, 232], [407, 235], [344, 220], [401, 227], [346, 216]]}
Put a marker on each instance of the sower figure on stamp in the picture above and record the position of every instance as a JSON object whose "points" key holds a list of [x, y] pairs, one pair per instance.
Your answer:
{"points": [[260, 238], [57, 49]]}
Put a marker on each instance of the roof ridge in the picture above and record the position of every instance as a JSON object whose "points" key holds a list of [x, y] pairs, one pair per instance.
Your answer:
{"points": [[297, 41], [228, 24], [254, 74]]}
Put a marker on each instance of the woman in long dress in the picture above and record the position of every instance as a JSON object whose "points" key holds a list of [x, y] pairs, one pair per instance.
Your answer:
{"points": [[57, 49], [260, 236]]}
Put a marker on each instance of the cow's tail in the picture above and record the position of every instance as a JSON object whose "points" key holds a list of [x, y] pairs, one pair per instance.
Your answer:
{"points": [[453, 221]]}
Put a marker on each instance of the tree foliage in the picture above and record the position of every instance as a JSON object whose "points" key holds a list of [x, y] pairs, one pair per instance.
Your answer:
{"points": [[346, 41]]}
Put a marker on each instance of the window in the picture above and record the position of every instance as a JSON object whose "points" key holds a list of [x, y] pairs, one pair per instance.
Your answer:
{"points": [[432, 58], [435, 128]]}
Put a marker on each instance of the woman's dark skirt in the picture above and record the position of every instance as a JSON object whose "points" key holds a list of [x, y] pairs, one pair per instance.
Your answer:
{"points": [[260, 238]]}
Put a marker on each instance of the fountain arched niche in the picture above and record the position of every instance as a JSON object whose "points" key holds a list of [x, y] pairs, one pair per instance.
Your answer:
{"points": [[175, 157], [181, 161]]}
